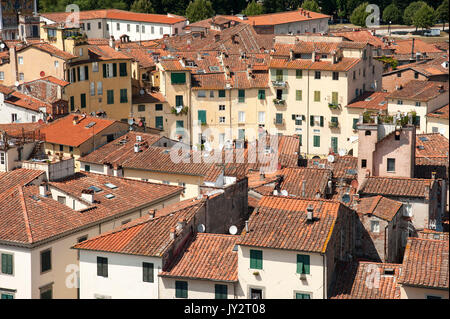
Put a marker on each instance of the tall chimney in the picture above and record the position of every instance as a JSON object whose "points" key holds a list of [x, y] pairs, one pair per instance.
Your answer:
{"points": [[43, 190], [112, 42], [88, 195], [246, 226], [412, 49]]}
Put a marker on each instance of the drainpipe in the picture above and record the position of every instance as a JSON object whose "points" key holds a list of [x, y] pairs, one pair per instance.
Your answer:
{"points": [[324, 276], [307, 117], [385, 242]]}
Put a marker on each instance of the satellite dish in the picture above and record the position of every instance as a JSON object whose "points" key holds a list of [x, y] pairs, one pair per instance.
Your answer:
{"points": [[2, 45], [330, 158], [130, 121], [16, 83], [341, 152], [284, 192], [233, 230], [141, 92], [201, 228]]}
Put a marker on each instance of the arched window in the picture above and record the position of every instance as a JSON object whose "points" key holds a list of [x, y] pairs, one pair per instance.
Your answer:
{"points": [[368, 133]]}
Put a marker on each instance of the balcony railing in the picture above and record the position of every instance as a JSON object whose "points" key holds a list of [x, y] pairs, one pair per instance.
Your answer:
{"points": [[334, 106], [279, 102], [333, 124], [279, 122], [279, 83]]}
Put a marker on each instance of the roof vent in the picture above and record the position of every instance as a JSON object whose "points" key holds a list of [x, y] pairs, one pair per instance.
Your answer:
{"points": [[88, 195], [310, 213]]}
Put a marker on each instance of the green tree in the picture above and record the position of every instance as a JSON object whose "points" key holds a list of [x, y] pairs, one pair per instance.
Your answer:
{"points": [[311, 5], [442, 13], [143, 6], [392, 13], [410, 10], [425, 17], [253, 9], [359, 15], [199, 10]]}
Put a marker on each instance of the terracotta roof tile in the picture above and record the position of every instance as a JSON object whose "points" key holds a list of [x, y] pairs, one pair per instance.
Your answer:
{"points": [[370, 101], [417, 90], [441, 113], [342, 167], [431, 145], [210, 257], [52, 50], [315, 179], [280, 223], [379, 206], [283, 17], [425, 263], [395, 186]]}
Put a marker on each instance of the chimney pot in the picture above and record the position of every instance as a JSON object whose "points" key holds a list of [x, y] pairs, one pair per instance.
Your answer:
{"points": [[246, 226], [43, 190], [181, 223], [310, 213], [172, 233]]}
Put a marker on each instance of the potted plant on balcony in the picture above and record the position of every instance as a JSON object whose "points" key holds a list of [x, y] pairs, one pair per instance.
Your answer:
{"points": [[333, 106], [278, 101]]}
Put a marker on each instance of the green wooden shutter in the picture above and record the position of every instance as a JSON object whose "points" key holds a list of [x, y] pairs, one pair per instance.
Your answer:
{"points": [[298, 95], [178, 78], [181, 289], [110, 96], [321, 121], [241, 94], [78, 73], [114, 69], [302, 296], [256, 259], [279, 118], [104, 70], [221, 93], [316, 96], [311, 120], [355, 122], [202, 116], [316, 141], [123, 96], [303, 264], [86, 72], [261, 94], [298, 74], [123, 69], [147, 272], [72, 103], [221, 291], [159, 123]]}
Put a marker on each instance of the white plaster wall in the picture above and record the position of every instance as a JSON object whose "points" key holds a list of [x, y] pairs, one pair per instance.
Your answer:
{"points": [[197, 289], [20, 280]]}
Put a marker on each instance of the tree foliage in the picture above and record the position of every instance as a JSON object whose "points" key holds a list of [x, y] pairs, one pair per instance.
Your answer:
{"points": [[424, 18], [199, 10], [253, 9], [143, 6], [409, 12], [442, 11], [311, 5], [392, 14], [359, 15]]}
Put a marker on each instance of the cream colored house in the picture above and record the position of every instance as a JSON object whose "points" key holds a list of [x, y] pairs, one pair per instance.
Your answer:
{"points": [[288, 250], [437, 121], [38, 260]]}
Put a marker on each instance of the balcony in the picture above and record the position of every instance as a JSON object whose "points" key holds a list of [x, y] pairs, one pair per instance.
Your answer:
{"points": [[334, 106], [333, 124], [279, 83], [279, 102], [281, 122], [179, 110]]}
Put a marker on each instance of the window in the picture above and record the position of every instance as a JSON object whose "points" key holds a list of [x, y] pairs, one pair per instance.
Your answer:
{"points": [[56, 63], [391, 164], [302, 296], [354, 75], [153, 29], [181, 289], [160, 30], [46, 292], [363, 163], [143, 29], [261, 94], [71, 149], [400, 102], [2, 75], [316, 141], [355, 123], [159, 122], [179, 100], [416, 120], [2, 158], [178, 78], [147, 272], [99, 88], [241, 134], [335, 76], [221, 119], [255, 293], [316, 96], [107, 27], [211, 94], [334, 144], [83, 100], [122, 69], [298, 74], [279, 75], [317, 75], [123, 96], [201, 93], [298, 95], [118, 26], [20, 58], [202, 116], [279, 118], [241, 117], [375, 226], [141, 108], [221, 107], [158, 107], [46, 260], [221, 93], [416, 75], [303, 264], [261, 117], [221, 291], [102, 266], [92, 88], [87, 168], [241, 96], [110, 96], [72, 103], [99, 25], [128, 27], [256, 259], [7, 264], [13, 117], [7, 296], [61, 148], [109, 70]]}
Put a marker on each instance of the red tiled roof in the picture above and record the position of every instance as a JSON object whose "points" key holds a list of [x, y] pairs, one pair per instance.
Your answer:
{"points": [[431, 145], [17, 129], [27, 102], [148, 97], [370, 101], [5, 90], [361, 281], [342, 167], [283, 17], [64, 132], [425, 263], [280, 223], [208, 257], [105, 52], [117, 15], [417, 90], [404, 47], [396, 186], [441, 113], [361, 36], [432, 234], [344, 64], [379, 206], [144, 236], [172, 65], [50, 49], [18, 177], [315, 180]]}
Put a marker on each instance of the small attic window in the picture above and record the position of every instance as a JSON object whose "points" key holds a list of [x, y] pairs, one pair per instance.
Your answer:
{"points": [[235, 248], [109, 185], [110, 196], [95, 188], [420, 147], [35, 198], [388, 271], [214, 68], [90, 125]]}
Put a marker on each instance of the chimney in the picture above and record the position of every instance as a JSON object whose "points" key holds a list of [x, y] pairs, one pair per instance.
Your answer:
{"points": [[291, 54], [112, 42], [310, 213], [433, 175], [303, 188], [152, 213], [181, 223], [88, 195], [262, 176], [137, 148], [246, 226], [172, 233], [427, 192], [75, 120], [43, 190], [13, 61], [412, 49]]}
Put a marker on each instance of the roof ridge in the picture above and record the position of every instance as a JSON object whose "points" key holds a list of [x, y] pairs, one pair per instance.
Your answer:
{"points": [[25, 215], [375, 204]]}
